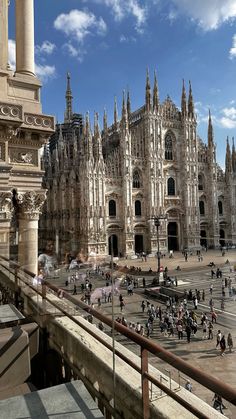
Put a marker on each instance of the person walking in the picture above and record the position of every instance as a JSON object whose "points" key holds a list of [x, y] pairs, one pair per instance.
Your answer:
{"points": [[188, 332], [218, 338], [230, 342], [204, 330], [180, 330], [222, 345], [210, 330], [143, 306]]}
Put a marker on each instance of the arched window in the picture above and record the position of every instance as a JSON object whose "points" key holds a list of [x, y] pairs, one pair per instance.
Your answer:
{"points": [[171, 186], [112, 208], [202, 207], [168, 148], [136, 179], [200, 183], [220, 207], [138, 208]]}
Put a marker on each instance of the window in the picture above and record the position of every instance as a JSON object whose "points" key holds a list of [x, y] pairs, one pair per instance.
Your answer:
{"points": [[171, 186], [138, 208], [220, 207], [202, 208], [136, 179], [112, 208], [200, 183], [168, 148]]}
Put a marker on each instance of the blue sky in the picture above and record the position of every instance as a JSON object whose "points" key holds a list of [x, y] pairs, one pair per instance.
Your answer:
{"points": [[107, 45]]}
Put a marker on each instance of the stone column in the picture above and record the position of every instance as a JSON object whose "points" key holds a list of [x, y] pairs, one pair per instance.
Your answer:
{"points": [[6, 209], [3, 34], [25, 37], [29, 206]]}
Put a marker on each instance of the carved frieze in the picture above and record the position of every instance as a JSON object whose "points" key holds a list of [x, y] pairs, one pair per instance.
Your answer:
{"points": [[2, 151], [41, 122], [23, 157], [10, 112], [30, 203], [6, 205]]}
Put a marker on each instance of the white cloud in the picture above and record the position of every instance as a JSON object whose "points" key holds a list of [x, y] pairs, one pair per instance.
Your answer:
{"points": [[74, 52], [232, 51], [12, 53], [127, 39], [44, 72], [209, 14], [47, 47], [227, 122], [79, 24], [123, 8]]}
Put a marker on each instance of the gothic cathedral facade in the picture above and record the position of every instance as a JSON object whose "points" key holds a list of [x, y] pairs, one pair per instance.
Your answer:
{"points": [[106, 187]]}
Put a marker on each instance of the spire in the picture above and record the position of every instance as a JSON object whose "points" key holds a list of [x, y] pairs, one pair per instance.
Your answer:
{"points": [[96, 126], [210, 135], [115, 114], [69, 97], [60, 138], [128, 104], [233, 156], [148, 93], [155, 93], [105, 121], [124, 107], [88, 136], [97, 138], [228, 158], [190, 101], [183, 101]]}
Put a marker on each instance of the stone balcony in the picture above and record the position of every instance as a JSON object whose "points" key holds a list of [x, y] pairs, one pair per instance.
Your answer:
{"points": [[14, 114]]}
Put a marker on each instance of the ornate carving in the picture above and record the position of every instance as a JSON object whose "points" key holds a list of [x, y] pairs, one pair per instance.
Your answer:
{"points": [[23, 156], [6, 205], [44, 122], [30, 203], [8, 111], [2, 151]]}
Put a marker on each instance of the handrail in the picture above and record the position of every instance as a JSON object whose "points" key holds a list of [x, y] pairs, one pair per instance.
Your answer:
{"points": [[207, 380]]}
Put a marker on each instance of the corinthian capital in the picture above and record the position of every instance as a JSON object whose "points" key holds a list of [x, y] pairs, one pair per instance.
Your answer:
{"points": [[30, 203]]}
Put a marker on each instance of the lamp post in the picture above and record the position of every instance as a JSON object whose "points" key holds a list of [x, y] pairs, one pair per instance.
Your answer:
{"points": [[157, 223]]}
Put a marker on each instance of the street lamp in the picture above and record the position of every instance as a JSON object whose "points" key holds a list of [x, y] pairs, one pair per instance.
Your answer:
{"points": [[157, 223]]}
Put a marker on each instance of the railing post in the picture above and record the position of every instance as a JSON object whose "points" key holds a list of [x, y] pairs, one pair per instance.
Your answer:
{"points": [[16, 287], [145, 383]]}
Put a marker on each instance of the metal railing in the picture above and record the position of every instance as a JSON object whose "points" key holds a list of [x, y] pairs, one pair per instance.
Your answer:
{"points": [[45, 290]]}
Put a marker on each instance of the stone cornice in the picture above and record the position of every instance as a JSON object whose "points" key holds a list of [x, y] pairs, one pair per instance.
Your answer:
{"points": [[15, 114]]}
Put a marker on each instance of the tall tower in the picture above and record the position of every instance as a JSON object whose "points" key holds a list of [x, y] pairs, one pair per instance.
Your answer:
{"points": [[24, 129], [69, 97], [212, 199], [189, 183]]}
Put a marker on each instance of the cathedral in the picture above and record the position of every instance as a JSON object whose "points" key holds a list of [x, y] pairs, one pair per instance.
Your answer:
{"points": [[106, 187]]}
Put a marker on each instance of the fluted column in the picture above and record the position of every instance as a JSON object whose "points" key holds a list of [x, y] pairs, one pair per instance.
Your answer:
{"points": [[6, 210], [29, 208], [25, 37], [3, 34]]}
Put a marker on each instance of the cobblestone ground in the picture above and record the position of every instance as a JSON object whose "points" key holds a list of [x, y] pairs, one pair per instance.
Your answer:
{"points": [[200, 353]]}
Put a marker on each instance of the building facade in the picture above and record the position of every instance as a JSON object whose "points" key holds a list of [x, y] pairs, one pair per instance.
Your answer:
{"points": [[23, 131], [106, 187]]}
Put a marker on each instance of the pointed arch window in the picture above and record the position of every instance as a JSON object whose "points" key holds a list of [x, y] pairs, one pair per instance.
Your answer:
{"points": [[136, 179], [200, 183], [220, 208], [168, 148], [138, 208], [112, 208], [202, 207], [171, 186]]}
